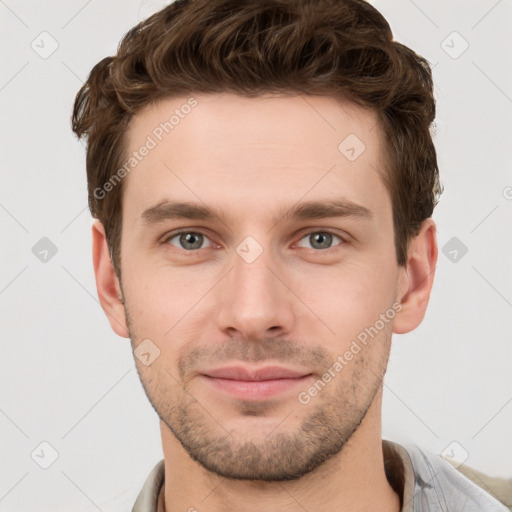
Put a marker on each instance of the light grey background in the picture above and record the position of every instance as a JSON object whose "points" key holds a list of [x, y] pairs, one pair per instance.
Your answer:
{"points": [[68, 380]]}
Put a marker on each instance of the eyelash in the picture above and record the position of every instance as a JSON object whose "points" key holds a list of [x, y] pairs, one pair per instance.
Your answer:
{"points": [[174, 234]]}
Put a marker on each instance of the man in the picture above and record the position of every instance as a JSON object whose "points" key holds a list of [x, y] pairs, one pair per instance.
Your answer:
{"points": [[263, 178]]}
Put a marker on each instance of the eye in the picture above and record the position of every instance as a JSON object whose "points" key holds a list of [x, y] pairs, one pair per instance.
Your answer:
{"points": [[320, 240], [188, 240]]}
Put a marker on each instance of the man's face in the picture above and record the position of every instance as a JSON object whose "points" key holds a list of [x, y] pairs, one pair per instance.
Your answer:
{"points": [[250, 307]]}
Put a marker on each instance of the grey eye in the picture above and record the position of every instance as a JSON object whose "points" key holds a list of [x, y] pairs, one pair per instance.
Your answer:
{"points": [[188, 240], [320, 240]]}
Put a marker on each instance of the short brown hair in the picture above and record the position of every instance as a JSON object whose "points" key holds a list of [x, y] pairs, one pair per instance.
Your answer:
{"points": [[339, 48]]}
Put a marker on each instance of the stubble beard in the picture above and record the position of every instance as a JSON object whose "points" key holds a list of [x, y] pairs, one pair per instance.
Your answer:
{"points": [[332, 417]]}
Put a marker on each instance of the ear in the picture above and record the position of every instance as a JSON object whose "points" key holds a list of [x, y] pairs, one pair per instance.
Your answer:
{"points": [[416, 278], [107, 284]]}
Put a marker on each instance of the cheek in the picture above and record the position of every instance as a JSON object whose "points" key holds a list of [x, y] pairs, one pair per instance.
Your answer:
{"points": [[166, 305], [348, 298]]}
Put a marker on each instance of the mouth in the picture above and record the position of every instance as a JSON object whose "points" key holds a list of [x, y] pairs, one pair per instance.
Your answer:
{"points": [[255, 383]]}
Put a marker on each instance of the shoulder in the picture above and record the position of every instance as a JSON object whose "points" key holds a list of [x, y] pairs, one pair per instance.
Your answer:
{"points": [[437, 482], [148, 498]]}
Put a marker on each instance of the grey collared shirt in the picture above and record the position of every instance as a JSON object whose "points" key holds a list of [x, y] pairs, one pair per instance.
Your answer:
{"points": [[424, 481]]}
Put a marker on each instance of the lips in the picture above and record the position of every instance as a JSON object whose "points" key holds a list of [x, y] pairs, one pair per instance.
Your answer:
{"points": [[254, 383], [244, 373]]}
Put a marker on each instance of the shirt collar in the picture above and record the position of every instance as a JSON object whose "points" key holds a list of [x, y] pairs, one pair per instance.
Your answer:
{"points": [[397, 464]]}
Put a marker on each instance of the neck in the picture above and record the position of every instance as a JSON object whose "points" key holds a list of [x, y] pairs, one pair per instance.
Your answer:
{"points": [[353, 479]]}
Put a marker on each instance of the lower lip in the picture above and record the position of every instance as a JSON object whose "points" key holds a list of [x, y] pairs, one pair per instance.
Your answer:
{"points": [[256, 390]]}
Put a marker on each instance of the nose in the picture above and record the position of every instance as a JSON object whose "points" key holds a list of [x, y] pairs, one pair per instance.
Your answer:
{"points": [[254, 300]]}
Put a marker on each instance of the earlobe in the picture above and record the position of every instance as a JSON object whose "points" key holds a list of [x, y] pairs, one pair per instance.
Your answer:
{"points": [[416, 279], [107, 284]]}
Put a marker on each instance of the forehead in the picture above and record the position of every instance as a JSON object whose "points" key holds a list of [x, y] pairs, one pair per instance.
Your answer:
{"points": [[210, 119], [216, 148]]}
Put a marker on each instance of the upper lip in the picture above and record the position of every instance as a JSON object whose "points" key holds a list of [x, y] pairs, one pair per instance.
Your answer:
{"points": [[248, 373]]}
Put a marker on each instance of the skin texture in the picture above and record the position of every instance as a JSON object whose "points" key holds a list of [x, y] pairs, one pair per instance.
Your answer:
{"points": [[300, 304]]}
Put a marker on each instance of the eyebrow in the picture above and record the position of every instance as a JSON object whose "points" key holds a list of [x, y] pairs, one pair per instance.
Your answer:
{"points": [[176, 210]]}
